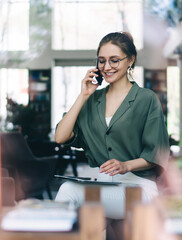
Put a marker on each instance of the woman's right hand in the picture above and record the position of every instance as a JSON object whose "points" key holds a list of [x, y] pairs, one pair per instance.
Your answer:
{"points": [[88, 88], [64, 131]]}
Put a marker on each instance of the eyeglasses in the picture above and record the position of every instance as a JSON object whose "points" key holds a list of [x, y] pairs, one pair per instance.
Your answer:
{"points": [[113, 62]]}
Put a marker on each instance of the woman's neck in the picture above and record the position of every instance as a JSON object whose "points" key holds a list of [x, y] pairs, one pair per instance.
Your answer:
{"points": [[120, 87], [115, 96]]}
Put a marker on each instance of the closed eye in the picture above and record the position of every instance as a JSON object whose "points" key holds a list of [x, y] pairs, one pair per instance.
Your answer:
{"points": [[114, 60], [102, 61]]}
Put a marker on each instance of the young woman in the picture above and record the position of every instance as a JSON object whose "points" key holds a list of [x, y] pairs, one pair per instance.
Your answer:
{"points": [[121, 128]]}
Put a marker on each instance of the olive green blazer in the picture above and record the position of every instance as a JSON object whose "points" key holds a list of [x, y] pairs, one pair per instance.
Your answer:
{"points": [[136, 130]]}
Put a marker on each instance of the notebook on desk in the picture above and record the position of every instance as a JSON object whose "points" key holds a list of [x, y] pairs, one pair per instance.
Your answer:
{"points": [[40, 215], [85, 180]]}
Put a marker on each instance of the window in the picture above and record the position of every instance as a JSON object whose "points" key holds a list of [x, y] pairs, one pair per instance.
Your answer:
{"points": [[14, 25], [81, 24], [138, 76], [173, 102], [14, 85]]}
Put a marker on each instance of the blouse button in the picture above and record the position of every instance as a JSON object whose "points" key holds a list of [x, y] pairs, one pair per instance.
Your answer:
{"points": [[109, 149]]}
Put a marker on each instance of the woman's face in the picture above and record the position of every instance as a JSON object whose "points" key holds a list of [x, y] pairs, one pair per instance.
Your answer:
{"points": [[113, 53]]}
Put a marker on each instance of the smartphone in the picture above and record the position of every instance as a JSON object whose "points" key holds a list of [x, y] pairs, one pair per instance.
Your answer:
{"points": [[100, 77]]}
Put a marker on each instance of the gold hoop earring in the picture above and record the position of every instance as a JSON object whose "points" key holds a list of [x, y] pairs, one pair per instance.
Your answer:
{"points": [[130, 71]]}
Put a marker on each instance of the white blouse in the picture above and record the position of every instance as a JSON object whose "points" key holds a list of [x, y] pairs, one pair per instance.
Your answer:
{"points": [[108, 119]]}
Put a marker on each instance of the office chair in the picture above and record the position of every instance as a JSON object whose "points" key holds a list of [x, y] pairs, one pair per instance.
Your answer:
{"points": [[32, 175]]}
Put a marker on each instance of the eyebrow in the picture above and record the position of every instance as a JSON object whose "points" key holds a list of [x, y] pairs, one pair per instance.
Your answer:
{"points": [[110, 56]]}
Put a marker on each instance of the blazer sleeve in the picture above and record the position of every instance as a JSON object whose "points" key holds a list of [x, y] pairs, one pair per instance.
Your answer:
{"points": [[155, 140], [77, 140]]}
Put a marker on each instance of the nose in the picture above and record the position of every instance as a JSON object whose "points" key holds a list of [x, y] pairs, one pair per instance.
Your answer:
{"points": [[107, 65]]}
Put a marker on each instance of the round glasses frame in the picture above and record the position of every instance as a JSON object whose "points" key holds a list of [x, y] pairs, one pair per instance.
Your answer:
{"points": [[111, 63]]}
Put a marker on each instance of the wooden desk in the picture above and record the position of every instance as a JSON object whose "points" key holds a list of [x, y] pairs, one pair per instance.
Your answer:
{"points": [[91, 219]]}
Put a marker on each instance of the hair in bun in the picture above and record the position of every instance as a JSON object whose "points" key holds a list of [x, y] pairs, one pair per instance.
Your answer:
{"points": [[128, 35]]}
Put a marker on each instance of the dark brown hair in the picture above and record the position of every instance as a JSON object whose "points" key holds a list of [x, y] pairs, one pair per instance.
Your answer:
{"points": [[123, 40]]}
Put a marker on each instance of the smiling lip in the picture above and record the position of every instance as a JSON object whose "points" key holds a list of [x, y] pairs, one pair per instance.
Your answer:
{"points": [[108, 74]]}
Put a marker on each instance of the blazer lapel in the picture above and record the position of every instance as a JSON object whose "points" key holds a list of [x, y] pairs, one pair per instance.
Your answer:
{"points": [[119, 113], [123, 108], [126, 104], [101, 106]]}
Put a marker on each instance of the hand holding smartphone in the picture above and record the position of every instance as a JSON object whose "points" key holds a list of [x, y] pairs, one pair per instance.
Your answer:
{"points": [[100, 77]]}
